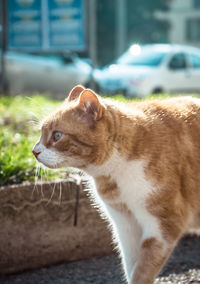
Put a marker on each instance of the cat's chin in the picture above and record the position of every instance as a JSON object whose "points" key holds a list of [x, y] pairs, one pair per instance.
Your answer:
{"points": [[51, 166], [61, 165]]}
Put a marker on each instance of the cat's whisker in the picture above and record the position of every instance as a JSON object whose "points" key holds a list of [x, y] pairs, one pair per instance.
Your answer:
{"points": [[39, 176], [36, 117], [47, 175], [35, 121], [46, 172], [48, 181], [42, 192], [35, 180], [52, 194], [39, 114], [60, 194], [144, 168], [34, 188], [42, 180]]}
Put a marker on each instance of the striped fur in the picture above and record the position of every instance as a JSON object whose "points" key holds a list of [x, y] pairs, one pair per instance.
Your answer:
{"points": [[145, 161]]}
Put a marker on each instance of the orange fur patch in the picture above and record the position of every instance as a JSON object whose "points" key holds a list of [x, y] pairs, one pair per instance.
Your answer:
{"points": [[107, 188], [164, 133]]}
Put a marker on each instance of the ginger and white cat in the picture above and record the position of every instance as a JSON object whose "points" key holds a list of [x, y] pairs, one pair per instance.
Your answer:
{"points": [[145, 161]]}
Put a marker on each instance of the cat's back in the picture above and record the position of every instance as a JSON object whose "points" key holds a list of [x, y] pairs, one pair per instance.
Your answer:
{"points": [[173, 135], [171, 115], [159, 124], [177, 108]]}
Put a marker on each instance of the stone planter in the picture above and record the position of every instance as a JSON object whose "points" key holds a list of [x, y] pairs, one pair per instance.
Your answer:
{"points": [[37, 229]]}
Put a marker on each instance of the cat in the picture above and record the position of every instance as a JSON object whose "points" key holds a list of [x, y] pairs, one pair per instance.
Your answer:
{"points": [[144, 158]]}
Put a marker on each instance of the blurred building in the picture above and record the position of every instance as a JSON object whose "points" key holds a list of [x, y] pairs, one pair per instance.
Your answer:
{"points": [[184, 21], [1, 57], [134, 19]]}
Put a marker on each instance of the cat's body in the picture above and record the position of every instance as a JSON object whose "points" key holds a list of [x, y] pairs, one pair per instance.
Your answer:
{"points": [[145, 161]]}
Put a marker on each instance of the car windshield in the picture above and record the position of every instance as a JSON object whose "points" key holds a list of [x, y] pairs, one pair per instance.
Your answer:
{"points": [[142, 57]]}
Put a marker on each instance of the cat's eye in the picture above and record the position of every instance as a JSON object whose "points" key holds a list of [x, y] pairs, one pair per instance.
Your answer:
{"points": [[57, 135]]}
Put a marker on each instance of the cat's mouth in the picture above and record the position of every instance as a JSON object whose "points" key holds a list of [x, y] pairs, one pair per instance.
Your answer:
{"points": [[35, 153], [48, 157], [50, 166], [45, 164], [54, 159]]}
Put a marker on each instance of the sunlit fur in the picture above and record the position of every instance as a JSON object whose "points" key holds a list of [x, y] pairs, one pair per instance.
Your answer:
{"points": [[145, 161]]}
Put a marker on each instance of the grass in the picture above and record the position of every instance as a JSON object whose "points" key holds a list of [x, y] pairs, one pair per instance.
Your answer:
{"points": [[19, 131]]}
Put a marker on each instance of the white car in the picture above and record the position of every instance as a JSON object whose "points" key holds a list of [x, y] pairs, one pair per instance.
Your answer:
{"points": [[51, 73], [152, 68]]}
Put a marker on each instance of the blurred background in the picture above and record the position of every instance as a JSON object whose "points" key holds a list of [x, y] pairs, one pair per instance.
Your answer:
{"points": [[134, 47], [131, 48]]}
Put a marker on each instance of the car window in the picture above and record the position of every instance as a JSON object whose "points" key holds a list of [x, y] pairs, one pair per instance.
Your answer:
{"points": [[145, 58], [61, 58], [178, 61], [194, 60]]}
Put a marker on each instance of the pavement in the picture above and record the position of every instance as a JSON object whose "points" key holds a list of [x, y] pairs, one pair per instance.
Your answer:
{"points": [[183, 267]]}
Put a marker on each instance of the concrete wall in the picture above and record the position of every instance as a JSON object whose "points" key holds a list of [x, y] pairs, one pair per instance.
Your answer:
{"points": [[35, 231], [178, 15]]}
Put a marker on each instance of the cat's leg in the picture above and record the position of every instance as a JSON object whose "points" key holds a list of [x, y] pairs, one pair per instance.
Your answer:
{"points": [[127, 234], [152, 256], [194, 228], [154, 247]]}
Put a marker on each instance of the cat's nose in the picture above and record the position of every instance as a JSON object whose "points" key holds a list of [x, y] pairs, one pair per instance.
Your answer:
{"points": [[35, 153]]}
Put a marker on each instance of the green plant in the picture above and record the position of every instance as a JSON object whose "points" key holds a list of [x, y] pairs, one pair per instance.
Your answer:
{"points": [[20, 118], [19, 131]]}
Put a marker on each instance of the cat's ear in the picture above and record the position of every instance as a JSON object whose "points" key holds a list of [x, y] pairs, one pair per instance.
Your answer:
{"points": [[75, 93], [90, 104]]}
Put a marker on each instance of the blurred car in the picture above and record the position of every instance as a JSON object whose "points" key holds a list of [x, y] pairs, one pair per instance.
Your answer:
{"points": [[152, 68], [53, 73]]}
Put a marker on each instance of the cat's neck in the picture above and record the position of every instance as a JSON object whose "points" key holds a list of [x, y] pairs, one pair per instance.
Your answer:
{"points": [[108, 168], [123, 132]]}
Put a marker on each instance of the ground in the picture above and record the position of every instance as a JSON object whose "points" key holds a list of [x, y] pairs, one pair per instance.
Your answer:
{"points": [[182, 268]]}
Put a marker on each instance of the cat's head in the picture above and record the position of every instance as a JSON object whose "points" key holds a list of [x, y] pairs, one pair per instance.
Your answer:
{"points": [[75, 135]]}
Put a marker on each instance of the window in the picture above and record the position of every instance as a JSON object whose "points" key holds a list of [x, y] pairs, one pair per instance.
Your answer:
{"points": [[196, 4], [194, 60], [193, 29], [178, 61], [145, 58]]}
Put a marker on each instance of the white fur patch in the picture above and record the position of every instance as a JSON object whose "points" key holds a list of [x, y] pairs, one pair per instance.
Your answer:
{"points": [[194, 232], [39, 147], [134, 187], [129, 230], [127, 234], [48, 157], [54, 159]]}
